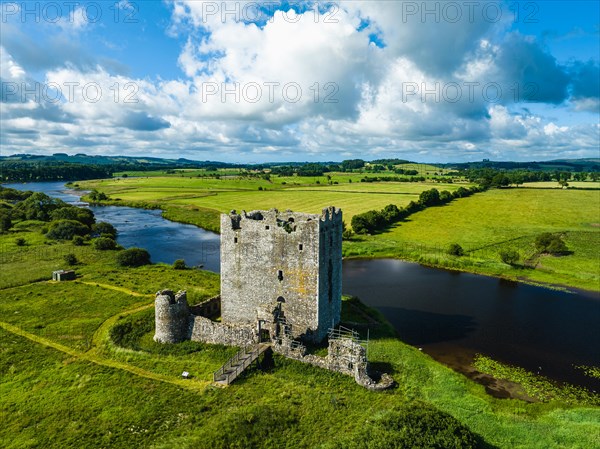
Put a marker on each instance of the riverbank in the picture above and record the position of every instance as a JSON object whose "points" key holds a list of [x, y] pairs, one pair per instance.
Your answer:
{"points": [[482, 261]]}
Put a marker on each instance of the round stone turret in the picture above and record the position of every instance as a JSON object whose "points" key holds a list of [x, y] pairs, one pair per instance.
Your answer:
{"points": [[173, 318]]}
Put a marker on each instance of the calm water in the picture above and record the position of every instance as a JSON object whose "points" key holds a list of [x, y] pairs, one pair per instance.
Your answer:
{"points": [[451, 315], [165, 240]]}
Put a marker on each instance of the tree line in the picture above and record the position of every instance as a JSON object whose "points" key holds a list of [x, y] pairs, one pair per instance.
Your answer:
{"points": [[30, 172], [372, 221]]}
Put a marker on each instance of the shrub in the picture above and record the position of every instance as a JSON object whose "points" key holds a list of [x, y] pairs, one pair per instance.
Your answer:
{"points": [[20, 241], [411, 426], [557, 247], [550, 243], [78, 240], [5, 221], [456, 250], [82, 215], [94, 195], [509, 256], [179, 264], [104, 244], [71, 259], [66, 229], [133, 257], [103, 228]]}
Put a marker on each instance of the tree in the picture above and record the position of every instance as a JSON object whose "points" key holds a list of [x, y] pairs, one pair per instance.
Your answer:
{"points": [[550, 243], [37, 207], [347, 233], [557, 247], [509, 256], [20, 241], [352, 164], [429, 197], [456, 250], [391, 213], [94, 195], [445, 197], [500, 180], [133, 257]]}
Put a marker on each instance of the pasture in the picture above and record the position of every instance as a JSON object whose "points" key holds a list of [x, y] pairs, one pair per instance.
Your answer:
{"points": [[66, 383], [484, 224]]}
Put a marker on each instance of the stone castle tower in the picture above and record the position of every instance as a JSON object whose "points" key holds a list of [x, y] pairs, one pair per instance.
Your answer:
{"points": [[172, 317], [282, 272]]}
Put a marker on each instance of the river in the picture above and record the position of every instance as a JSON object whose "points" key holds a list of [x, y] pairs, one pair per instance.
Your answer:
{"points": [[450, 315]]}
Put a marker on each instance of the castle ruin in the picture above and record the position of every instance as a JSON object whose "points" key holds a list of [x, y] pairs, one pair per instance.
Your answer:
{"points": [[282, 271], [281, 283]]}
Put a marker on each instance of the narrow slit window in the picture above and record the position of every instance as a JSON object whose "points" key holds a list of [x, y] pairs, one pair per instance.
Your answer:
{"points": [[267, 227], [280, 275], [235, 240], [300, 247]]}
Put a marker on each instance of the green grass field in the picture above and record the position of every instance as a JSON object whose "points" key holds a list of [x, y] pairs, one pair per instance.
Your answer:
{"points": [[223, 195], [489, 222], [555, 185], [65, 384], [483, 225]]}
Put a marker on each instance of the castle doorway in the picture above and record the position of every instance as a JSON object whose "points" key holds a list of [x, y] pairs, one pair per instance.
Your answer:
{"points": [[263, 334]]}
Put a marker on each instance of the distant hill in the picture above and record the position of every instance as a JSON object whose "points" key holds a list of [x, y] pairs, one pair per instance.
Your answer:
{"points": [[587, 165], [85, 159], [133, 163]]}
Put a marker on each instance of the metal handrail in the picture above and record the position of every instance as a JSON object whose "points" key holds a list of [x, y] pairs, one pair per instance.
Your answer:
{"points": [[232, 369]]}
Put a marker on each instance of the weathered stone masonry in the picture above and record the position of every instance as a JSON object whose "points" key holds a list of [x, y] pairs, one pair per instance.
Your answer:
{"points": [[281, 281], [282, 267]]}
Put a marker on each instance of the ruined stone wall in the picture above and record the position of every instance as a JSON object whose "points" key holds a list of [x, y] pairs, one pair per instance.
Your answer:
{"points": [[207, 331], [172, 317], [211, 308], [344, 356], [273, 261]]}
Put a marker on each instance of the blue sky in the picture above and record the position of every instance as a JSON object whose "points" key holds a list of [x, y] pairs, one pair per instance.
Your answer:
{"points": [[264, 81]]}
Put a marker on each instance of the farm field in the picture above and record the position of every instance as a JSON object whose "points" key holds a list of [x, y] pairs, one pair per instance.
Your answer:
{"points": [[496, 220], [555, 185], [66, 383], [242, 194], [484, 224]]}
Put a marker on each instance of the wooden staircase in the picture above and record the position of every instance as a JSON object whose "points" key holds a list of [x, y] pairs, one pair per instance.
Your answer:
{"points": [[238, 363]]}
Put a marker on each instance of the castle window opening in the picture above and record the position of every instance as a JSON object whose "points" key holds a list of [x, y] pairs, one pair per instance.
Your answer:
{"points": [[300, 247], [267, 228], [280, 275], [235, 240]]}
